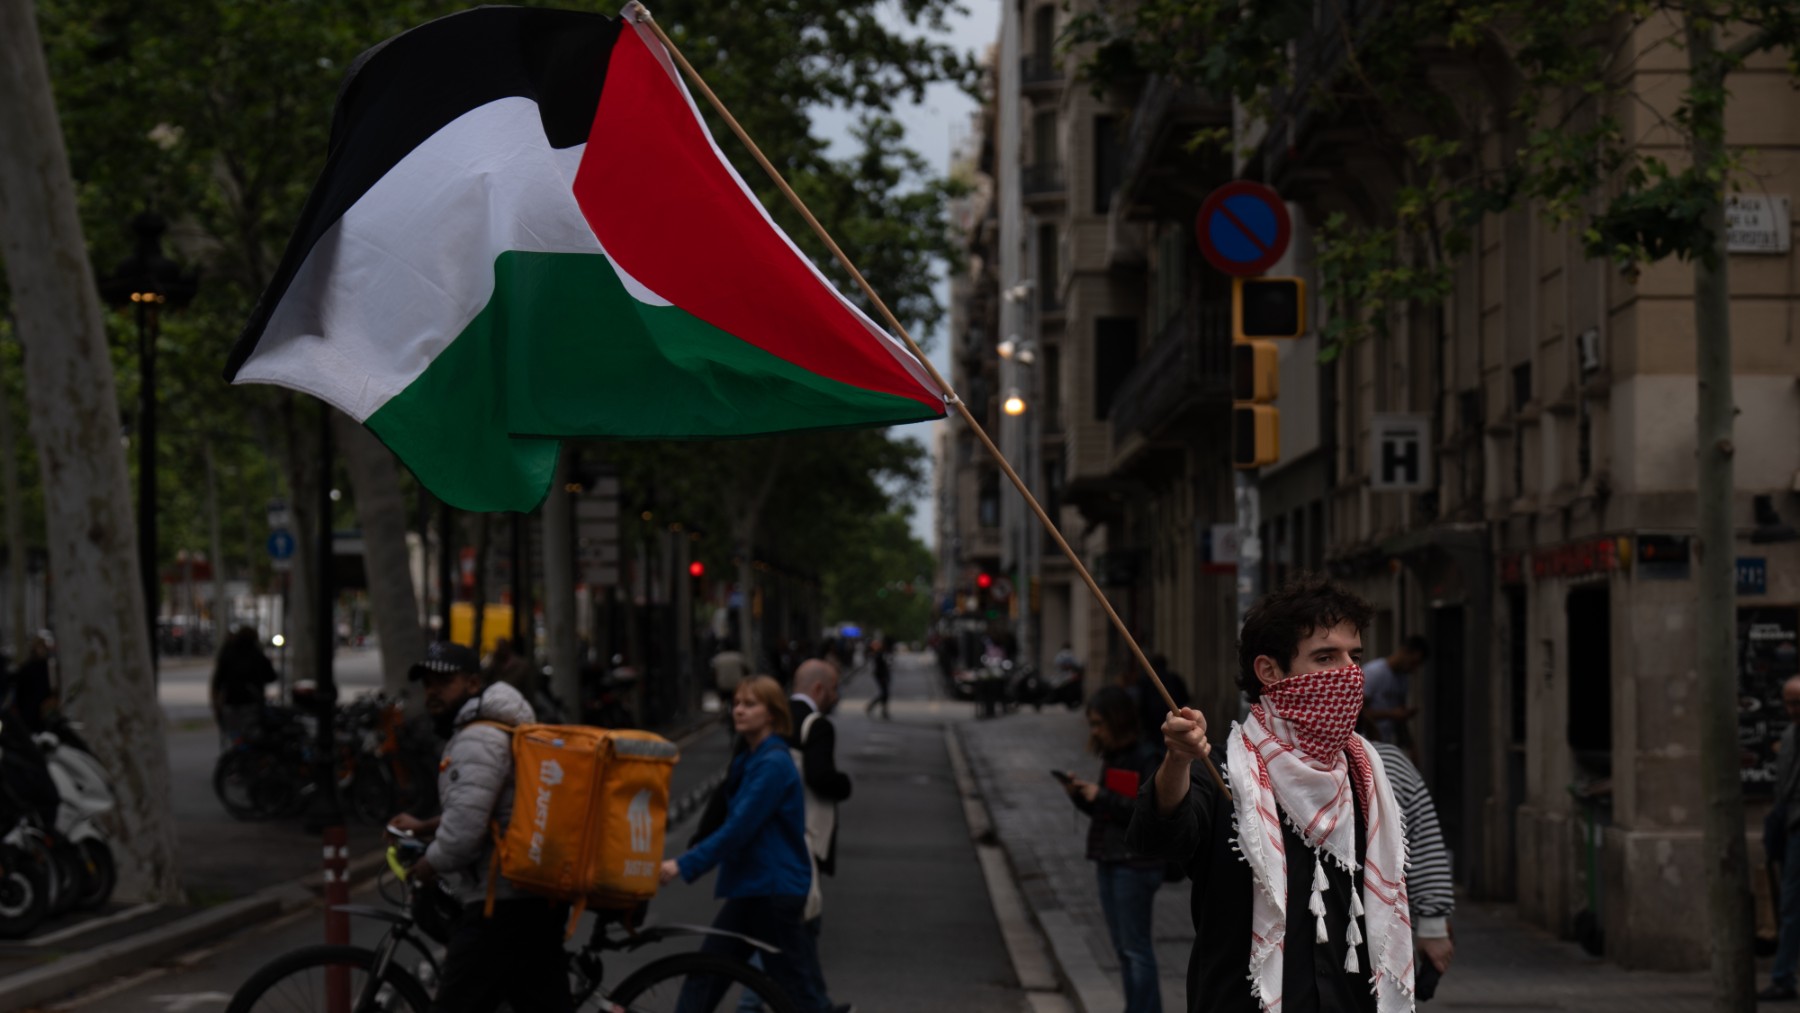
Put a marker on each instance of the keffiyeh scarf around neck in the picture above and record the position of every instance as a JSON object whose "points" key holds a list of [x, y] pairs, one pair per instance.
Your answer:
{"points": [[1275, 771]]}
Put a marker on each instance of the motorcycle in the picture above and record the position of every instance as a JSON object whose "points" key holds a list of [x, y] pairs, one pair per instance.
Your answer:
{"points": [[83, 797]]}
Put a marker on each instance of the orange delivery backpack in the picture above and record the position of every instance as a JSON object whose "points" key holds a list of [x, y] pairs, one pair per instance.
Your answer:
{"points": [[590, 806]]}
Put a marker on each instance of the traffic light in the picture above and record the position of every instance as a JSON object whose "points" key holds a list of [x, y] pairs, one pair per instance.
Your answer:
{"points": [[1267, 308], [696, 569], [984, 580], [1255, 435], [1260, 308], [1255, 371]]}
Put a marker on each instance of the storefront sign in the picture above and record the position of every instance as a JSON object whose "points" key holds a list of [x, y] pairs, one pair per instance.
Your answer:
{"points": [[1768, 655], [1577, 559], [1752, 575]]}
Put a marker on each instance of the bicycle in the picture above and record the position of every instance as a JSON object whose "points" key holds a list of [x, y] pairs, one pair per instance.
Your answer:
{"points": [[380, 982]]}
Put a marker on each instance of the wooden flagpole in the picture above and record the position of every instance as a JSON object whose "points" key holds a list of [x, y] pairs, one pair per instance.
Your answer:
{"points": [[638, 12]]}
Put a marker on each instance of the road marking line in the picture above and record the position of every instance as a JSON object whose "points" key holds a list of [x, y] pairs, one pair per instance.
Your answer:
{"points": [[91, 924]]}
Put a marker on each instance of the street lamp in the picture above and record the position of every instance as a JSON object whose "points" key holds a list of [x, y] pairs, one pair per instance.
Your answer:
{"points": [[1014, 404], [148, 282]]}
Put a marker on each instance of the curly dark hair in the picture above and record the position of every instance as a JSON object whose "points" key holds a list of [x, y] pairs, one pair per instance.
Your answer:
{"points": [[1275, 625]]}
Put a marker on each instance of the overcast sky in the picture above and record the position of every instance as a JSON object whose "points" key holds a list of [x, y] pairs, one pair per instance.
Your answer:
{"points": [[933, 127]]}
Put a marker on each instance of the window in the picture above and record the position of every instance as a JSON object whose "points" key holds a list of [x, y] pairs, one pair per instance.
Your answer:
{"points": [[1043, 139], [1043, 33], [988, 506], [1049, 272], [1052, 394], [1521, 376], [1109, 159], [1115, 355]]}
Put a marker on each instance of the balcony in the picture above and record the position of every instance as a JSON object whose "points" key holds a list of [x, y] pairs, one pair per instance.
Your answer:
{"points": [[1320, 54], [1159, 174], [1186, 372], [1040, 74], [1042, 182]]}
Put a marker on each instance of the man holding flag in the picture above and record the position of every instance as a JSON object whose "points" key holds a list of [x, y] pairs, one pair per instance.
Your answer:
{"points": [[1299, 896]]}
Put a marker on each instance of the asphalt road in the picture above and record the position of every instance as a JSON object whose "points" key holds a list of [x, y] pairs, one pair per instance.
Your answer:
{"points": [[908, 924]]}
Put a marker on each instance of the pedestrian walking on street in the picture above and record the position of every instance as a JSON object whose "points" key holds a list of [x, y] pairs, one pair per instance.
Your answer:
{"points": [[1387, 687], [813, 744], [884, 678], [1128, 881], [241, 677], [1300, 875], [760, 849], [1787, 802], [1430, 887], [516, 954]]}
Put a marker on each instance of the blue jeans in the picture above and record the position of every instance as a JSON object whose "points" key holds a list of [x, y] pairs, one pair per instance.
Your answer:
{"points": [[773, 920], [1787, 953], [750, 1002], [1128, 897]]}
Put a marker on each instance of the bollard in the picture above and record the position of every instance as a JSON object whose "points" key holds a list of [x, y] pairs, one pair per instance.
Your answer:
{"points": [[337, 923]]}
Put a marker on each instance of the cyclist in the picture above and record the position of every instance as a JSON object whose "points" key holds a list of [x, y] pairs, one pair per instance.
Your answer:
{"points": [[516, 954]]}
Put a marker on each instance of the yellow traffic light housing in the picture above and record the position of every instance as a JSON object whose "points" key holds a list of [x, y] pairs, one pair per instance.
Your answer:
{"points": [[1255, 371], [1267, 308], [1255, 435]]}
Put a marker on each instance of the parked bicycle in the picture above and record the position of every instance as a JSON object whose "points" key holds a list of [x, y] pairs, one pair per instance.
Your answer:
{"points": [[383, 763], [400, 972]]}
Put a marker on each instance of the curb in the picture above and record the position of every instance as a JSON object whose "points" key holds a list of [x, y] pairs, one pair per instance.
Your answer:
{"points": [[1047, 987], [1088, 986], [72, 973]]}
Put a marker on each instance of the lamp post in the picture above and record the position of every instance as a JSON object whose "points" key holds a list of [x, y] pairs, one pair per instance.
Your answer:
{"points": [[1019, 405], [149, 283]]}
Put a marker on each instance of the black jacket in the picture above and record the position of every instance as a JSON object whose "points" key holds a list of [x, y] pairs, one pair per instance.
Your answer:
{"points": [[1199, 835], [819, 768], [1111, 811]]}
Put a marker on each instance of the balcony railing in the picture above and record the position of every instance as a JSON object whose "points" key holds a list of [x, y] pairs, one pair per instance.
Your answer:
{"points": [[1042, 180], [1188, 367], [1039, 70]]}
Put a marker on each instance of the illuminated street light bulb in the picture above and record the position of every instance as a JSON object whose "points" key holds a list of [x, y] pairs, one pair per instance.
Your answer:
{"points": [[1026, 356], [278, 640], [1008, 347], [1014, 403]]}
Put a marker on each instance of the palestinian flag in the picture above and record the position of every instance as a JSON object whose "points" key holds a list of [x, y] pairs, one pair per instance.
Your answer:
{"points": [[524, 231]]}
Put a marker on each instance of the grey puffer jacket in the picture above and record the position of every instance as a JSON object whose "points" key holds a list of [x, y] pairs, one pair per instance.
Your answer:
{"points": [[475, 782]]}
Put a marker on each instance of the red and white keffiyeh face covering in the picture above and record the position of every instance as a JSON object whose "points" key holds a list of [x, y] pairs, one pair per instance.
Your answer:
{"points": [[1295, 757]]}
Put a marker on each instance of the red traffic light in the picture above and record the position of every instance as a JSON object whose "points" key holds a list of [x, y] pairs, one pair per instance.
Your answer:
{"points": [[984, 580], [696, 569]]}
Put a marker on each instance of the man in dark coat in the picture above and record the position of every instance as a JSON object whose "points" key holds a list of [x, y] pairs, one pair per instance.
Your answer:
{"points": [[240, 682], [1341, 942]]}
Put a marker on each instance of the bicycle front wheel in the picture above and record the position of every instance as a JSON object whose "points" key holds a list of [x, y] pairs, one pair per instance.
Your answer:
{"points": [[299, 982], [657, 986]]}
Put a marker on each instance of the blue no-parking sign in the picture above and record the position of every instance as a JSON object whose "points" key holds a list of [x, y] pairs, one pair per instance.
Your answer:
{"points": [[1243, 228]]}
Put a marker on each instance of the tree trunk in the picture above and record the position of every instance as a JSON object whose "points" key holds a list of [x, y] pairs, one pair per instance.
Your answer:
{"points": [[1727, 861], [74, 420], [382, 512], [17, 635], [303, 484], [484, 528], [221, 606], [559, 591]]}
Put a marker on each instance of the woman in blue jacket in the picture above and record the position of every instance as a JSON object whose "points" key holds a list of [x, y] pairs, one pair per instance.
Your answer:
{"points": [[760, 849]]}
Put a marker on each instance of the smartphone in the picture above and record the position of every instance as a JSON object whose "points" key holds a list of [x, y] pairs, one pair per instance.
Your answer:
{"points": [[1062, 775]]}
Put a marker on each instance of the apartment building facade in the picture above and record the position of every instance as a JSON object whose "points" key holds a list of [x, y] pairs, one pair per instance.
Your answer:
{"points": [[1549, 556]]}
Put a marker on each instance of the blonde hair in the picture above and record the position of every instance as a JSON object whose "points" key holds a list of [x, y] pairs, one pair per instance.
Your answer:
{"points": [[768, 692]]}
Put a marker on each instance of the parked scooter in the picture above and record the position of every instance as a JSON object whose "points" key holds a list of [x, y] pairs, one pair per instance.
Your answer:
{"points": [[81, 786]]}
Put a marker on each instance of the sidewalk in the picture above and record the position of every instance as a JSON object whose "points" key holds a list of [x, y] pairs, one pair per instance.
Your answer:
{"points": [[1501, 963]]}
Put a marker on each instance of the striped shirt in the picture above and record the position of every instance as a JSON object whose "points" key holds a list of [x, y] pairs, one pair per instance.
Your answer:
{"points": [[1428, 883]]}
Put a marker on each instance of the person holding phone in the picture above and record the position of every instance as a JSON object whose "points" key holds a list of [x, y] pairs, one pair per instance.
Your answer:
{"points": [[1128, 881]]}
